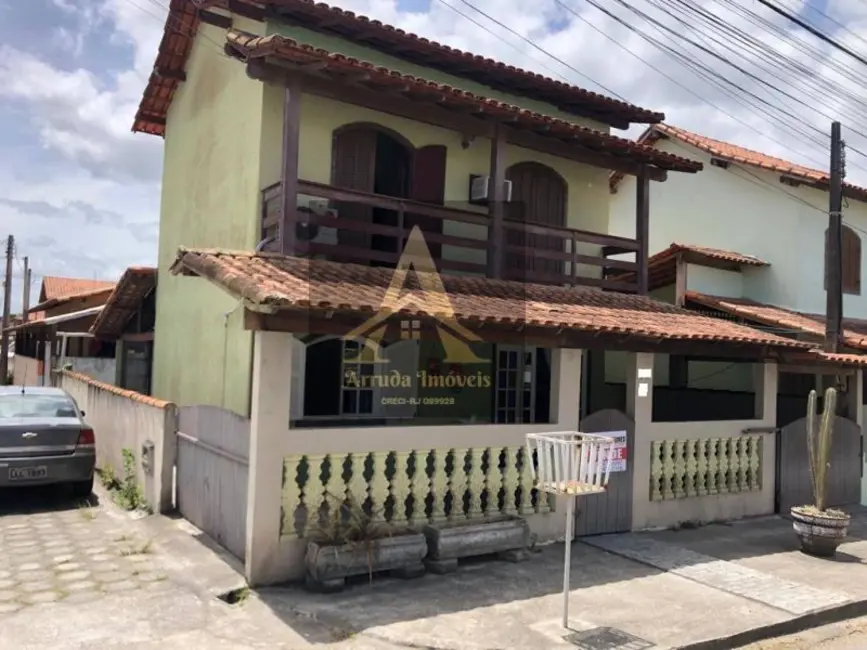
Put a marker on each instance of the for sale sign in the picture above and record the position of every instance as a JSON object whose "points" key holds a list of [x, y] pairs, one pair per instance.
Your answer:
{"points": [[619, 452]]}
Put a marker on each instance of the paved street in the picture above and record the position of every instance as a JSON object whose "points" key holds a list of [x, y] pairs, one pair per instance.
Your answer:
{"points": [[849, 635]]}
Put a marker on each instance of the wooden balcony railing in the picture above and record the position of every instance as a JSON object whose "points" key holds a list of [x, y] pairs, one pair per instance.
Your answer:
{"points": [[532, 252]]}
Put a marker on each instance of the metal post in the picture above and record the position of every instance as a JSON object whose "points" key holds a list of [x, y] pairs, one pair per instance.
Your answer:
{"points": [[567, 562], [7, 297]]}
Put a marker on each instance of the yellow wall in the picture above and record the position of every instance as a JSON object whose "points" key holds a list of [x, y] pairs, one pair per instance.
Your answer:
{"points": [[210, 198], [588, 186]]}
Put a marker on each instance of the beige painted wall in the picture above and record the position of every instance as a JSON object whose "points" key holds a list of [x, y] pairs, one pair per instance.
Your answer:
{"points": [[210, 198], [651, 514], [271, 558], [26, 371]]}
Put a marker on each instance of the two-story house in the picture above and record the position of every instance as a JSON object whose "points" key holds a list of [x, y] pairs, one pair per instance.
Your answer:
{"points": [[745, 240], [405, 249]]}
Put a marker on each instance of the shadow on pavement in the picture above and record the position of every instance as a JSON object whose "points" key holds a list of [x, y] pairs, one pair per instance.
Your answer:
{"points": [[47, 498]]}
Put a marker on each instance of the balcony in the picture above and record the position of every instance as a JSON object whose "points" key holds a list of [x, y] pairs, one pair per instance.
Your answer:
{"points": [[351, 226]]}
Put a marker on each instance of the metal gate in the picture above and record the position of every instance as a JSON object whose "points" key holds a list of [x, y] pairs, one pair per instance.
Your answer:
{"points": [[213, 448], [611, 511], [793, 469]]}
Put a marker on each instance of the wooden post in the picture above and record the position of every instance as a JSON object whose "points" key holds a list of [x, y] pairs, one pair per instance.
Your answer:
{"points": [[496, 203], [642, 228], [25, 300], [289, 172], [7, 298]]}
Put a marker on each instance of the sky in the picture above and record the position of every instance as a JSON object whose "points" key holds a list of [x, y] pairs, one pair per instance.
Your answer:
{"points": [[80, 192]]}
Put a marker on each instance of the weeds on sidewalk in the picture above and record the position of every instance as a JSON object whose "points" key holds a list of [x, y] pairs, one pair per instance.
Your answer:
{"points": [[125, 492]]}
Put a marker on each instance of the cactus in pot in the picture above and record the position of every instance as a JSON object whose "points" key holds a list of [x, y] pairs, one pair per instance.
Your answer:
{"points": [[819, 529]]}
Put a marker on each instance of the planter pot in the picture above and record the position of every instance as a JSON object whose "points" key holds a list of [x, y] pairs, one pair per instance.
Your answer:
{"points": [[447, 543], [329, 566], [820, 534]]}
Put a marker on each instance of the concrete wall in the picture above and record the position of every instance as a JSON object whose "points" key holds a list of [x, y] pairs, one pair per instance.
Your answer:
{"points": [[210, 198], [26, 371], [271, 557], [99, 368], [122, 419], [649, 514], [749, 211]]}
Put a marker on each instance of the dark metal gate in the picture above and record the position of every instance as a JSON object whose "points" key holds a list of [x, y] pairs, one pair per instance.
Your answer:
{"points": [[793, 469], [611, 511]]}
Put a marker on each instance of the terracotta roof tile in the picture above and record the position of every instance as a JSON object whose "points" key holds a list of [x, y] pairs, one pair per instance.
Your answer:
{"points": [[120, 392], [289, 283], [55, 286], [775, 317], [662, 266], [741, 155], [69, 297], [249, 46], [182, 24], [133, 287], [840, 358]]}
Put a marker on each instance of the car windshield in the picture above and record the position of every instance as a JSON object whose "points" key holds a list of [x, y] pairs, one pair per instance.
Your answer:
{"points": [[36, 406]]}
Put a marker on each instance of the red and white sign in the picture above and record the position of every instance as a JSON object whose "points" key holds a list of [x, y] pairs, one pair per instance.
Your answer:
{"points": [[619, 452]]}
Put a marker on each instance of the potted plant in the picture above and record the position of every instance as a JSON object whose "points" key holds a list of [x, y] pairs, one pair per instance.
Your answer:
{"points": [[820, 530], [351, 541]]}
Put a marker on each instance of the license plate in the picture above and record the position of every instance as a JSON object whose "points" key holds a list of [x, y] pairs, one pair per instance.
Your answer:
{"points": [[27, 473]]}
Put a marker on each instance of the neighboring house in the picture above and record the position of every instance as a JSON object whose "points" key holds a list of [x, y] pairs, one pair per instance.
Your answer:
{"points": [[313, 158], [749, 245], [56, 329], [127, 320]]}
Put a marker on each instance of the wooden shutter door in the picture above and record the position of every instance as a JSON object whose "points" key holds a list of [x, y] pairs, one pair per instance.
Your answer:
{"points": [[538, 196], [353, 166], [428, 185], [851, 261]]}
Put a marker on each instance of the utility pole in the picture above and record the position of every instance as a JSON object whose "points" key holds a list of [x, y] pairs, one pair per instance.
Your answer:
{"points": [[7, 305], [25, 299], [834, 245]]}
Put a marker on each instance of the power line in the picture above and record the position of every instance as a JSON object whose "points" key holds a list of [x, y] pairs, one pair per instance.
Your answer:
{"points": [[815, 32]]}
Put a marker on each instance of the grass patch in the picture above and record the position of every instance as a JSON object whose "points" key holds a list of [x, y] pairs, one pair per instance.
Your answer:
{"points": [[235, 596], [144, 549], [125, 492]]}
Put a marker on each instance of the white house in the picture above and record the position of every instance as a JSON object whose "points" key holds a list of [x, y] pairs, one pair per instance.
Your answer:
{"points": [[745, 239]]}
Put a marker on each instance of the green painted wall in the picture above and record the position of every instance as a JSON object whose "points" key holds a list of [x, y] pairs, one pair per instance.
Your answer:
{"points": [[210, 198]]}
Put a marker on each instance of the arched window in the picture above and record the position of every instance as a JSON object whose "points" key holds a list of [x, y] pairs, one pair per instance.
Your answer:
{"points": [[538, 196], [851, 255]]}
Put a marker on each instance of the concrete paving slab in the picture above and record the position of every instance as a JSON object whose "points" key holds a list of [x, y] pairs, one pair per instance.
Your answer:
{"points": [[518, 606]]}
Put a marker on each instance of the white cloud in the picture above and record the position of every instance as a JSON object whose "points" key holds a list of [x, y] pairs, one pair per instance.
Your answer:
{"points": [[83, 116]]}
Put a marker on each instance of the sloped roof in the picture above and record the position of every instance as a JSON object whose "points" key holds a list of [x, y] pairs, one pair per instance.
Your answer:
{"points": [[290, 283], [741, 155], [182, 24], [133, 287], [779, 317], [662, 266], [247, 46], [55, 286]]}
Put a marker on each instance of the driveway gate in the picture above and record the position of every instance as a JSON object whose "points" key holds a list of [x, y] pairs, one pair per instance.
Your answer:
{"points": [[794, 487], [213, 448]]}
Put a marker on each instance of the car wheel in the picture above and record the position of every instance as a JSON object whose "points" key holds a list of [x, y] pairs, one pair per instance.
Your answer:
{"points": [[82, 489]]}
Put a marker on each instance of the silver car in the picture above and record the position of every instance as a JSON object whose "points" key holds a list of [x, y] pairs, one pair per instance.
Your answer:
{"points": [[45, 440]]}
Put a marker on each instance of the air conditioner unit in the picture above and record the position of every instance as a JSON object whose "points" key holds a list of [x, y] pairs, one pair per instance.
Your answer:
{"points": [[480, 189]]}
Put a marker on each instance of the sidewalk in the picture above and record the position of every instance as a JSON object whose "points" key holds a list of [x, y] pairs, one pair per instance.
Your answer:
{"points": [[714, 586]]}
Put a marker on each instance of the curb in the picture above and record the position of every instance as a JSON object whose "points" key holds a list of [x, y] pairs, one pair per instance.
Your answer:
{"points": [[836, 614]]}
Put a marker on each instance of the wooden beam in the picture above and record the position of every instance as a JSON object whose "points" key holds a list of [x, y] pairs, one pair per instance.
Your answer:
{"points": [[463, 123], [289, 171], [247, 10], [680, 284], [215, 19], [496, 204], [340, 324], [642, 228]]}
